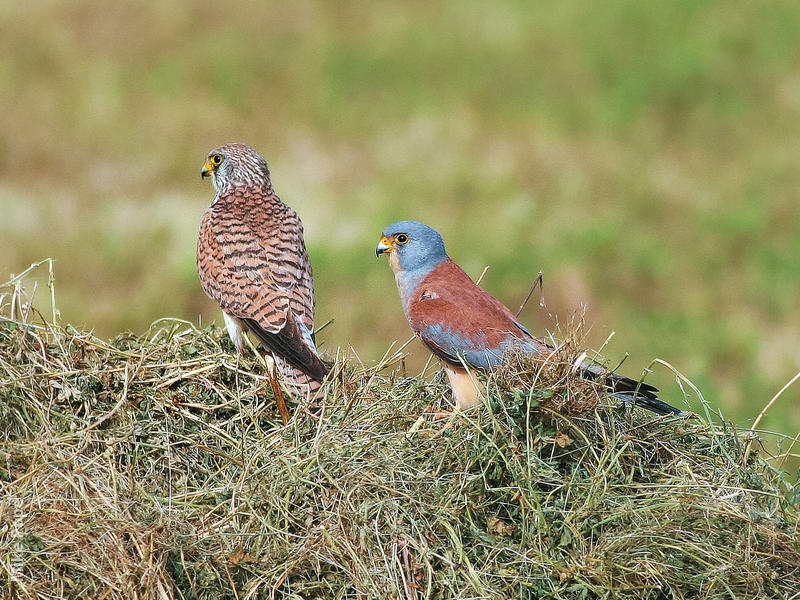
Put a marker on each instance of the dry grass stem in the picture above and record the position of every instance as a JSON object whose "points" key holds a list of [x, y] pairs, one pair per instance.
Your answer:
{"points": [[157, 467]]}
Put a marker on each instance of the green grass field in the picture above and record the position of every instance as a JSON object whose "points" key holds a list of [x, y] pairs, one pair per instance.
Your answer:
{"points": [[643, 155]]}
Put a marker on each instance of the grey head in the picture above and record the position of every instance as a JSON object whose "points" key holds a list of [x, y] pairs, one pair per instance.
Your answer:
{"points": [[412, 247], [236, 164]]}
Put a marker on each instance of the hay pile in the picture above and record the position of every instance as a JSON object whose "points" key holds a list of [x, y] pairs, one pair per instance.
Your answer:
{"points": [[156, 467]]}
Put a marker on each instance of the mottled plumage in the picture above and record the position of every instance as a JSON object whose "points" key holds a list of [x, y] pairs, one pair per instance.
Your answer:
{"points": [[462, 324], [252, 260]]}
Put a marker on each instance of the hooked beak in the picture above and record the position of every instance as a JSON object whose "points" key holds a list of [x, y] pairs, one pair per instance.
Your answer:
{"points": [[385, 246], [208, 170]]}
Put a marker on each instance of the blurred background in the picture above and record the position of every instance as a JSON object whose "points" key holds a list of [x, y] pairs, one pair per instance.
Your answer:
{"points": [[644, 155]]}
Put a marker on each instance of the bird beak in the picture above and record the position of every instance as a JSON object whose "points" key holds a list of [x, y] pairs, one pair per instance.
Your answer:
{"points": [[385, 246], [208, 170]]}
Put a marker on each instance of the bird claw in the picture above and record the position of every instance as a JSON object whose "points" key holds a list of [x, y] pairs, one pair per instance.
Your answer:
{"points": [[438, 415]]}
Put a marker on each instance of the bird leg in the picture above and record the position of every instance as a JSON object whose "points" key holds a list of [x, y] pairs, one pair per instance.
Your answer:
{"points": [[465, 392], [465, 389], [278, 393], [272, 375]]}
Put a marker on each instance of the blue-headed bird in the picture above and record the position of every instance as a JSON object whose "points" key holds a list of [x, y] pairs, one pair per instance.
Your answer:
{"points": [[466, 327]]}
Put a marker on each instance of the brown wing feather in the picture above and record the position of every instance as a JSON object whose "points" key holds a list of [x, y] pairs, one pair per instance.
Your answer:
{"points": [[253, 261], [290, 344], [452, 295], [448, 295]]}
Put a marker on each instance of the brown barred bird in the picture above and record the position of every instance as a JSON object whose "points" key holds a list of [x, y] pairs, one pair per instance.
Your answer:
{"points": [[253, 261]]}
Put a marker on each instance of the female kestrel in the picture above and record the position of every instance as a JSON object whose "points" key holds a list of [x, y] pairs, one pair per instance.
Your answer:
{"points": [[464, 325], [252, 260]]}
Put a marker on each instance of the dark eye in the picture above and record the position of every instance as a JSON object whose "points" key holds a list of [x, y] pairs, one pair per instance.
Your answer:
{"points": [[401, 238], [216, 159]]}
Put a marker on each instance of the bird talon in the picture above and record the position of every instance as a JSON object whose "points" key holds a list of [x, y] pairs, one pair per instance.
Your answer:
{"points": [[436, 414]]}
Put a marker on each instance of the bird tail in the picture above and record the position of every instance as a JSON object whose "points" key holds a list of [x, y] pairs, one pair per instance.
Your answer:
{"points": [[298, 382], [630, 391]]}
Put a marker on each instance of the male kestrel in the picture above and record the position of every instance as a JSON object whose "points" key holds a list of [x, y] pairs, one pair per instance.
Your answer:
{"points": [[464, 325], [252, 260]]}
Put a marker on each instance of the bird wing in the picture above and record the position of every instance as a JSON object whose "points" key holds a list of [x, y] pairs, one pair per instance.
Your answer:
{"points": [[293, 343], [458, 320], [253, 261]]}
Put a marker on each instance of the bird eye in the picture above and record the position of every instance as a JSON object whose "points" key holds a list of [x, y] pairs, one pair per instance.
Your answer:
{"points": [[216, 159], [401, 238]]}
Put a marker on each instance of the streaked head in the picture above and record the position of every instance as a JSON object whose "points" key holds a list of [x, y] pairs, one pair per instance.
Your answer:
{"points": [[411, 246], [236, 163]]}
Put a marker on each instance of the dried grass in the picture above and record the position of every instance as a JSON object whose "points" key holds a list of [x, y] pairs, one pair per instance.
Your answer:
{"points": [[156, 467]]}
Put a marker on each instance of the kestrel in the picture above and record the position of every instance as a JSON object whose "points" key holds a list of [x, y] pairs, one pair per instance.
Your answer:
{"points": [[464, 325], [252, 260]]}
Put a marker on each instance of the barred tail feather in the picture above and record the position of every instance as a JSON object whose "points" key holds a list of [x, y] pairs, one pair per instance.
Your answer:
{"points": [[296, 381]]}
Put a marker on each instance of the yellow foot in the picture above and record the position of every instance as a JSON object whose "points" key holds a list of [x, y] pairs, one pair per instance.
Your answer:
{"points": [[438, 415]]}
